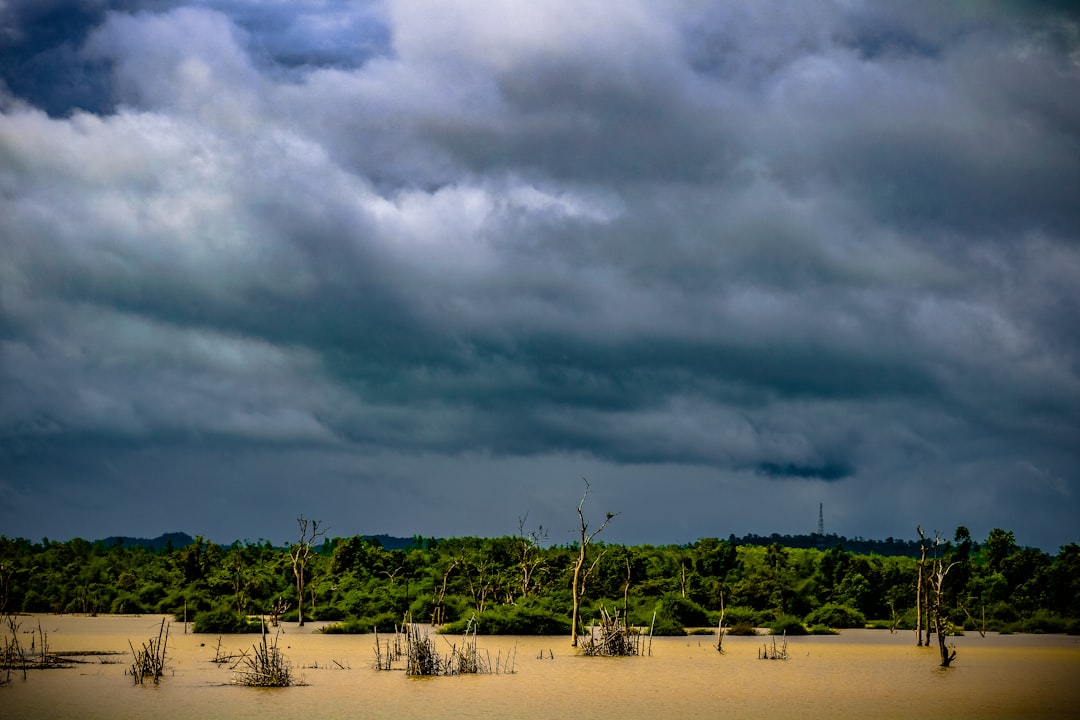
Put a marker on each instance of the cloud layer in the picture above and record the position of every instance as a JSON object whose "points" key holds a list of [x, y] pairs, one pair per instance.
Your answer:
{"points": [[438, 263]]}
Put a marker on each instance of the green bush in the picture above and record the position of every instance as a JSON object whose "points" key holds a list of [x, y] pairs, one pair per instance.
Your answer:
{"points": [[352, 626], [654, 614], [667, 626], [126, 603], [523, 618], [836, 616], [907, 620], [223, 620], [174, 603], [1002, 612], [683, 610], [787, 625], [742, 615], [422, 608], [742, 629], [822, 630], [329, 612], [454, 607], [1043, 621], [367, 603], [151, 594], [383, 622], [34, 602]]}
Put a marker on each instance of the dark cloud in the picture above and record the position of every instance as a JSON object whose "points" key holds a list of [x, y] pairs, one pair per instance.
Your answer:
{"points": [[728, 256], [837, 470], [43, 57]]}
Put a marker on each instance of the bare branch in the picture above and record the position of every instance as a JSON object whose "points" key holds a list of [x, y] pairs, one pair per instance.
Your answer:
{"points": [[586, 540]]}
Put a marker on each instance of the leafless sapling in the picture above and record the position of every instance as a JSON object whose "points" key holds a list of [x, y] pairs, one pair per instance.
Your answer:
{"points": [[586, 540]]}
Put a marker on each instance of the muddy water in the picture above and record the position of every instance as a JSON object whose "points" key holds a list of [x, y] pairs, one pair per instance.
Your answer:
{"points": [[857, 674]]}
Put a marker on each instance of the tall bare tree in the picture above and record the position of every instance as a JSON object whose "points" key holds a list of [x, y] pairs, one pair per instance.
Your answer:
{"points": [[940, 612], [919, 601], [586, 540], [301, 552]]}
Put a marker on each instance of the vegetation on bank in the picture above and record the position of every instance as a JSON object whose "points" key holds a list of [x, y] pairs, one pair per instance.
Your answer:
{"points": [[517, 585]]}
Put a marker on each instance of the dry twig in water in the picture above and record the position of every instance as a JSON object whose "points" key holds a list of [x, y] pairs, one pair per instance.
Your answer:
{"points": [[149, 661]]}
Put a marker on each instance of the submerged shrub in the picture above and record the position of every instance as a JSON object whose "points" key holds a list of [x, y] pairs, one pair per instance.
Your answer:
{"points": [[1042, 621], [656, 618], [836, 616], [742, 628], [683, 610], [524, 618], [126, 603], [422, 608], [224, 621], [383, 622], [787, 625], [742, 615], [1002, 612], [329, 612], [666, 625]]}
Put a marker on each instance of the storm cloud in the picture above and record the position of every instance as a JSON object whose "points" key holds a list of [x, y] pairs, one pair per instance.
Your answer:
{"points": [[419, 267]]}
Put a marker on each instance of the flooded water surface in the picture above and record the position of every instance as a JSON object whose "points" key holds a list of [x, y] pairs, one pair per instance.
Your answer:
{"points": [[861, 673]]}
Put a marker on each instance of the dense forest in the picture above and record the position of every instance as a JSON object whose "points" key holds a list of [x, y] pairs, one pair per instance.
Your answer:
{"points": [[521, 584]]}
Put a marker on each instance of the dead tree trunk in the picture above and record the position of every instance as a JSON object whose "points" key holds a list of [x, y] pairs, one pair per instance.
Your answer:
{"points": [[720, 627], [301, 555], [941, 615], [586, 540], [928, 626], [919, 590]]}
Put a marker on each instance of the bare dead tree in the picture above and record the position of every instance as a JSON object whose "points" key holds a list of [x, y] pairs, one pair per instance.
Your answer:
{"points": [[919, 600], [477, 568], [279, 608], [586, 540], [437, 615], [979, 626], [529, 558], [301, 552], [940, 612], [720, 629]]}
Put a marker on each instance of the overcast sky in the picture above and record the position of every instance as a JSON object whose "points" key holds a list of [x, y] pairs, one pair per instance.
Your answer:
{"points": [[420, 267]]}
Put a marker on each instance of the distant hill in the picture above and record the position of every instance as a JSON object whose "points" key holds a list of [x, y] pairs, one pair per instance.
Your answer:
{"points": [[390, 542], [858, 545], [179, 540], [173, 539]]}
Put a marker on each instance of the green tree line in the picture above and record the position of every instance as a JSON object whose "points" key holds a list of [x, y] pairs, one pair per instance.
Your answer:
{"points": [[517, 584]]}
